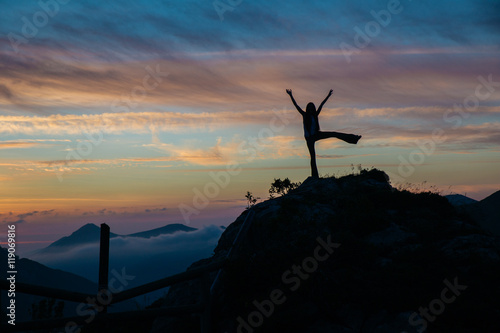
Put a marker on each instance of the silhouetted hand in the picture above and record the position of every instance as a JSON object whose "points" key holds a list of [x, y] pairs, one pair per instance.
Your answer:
{"points": [[330, 93], [289, 92]]}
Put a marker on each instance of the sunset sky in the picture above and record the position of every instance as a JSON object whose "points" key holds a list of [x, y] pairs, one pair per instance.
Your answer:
{"points": [[122, 111]]}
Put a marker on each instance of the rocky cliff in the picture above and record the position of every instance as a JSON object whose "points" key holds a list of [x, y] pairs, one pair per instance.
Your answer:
{"points": [[352, 254]]}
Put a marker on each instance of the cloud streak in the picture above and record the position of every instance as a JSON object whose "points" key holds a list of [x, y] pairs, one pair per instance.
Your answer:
{"points": [[11, 145], [177, 122], [248, 80], [82, 75]]}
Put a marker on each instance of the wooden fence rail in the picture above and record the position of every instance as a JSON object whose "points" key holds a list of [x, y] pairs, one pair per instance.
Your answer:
{"points": [[66, 295], [168, 281]]}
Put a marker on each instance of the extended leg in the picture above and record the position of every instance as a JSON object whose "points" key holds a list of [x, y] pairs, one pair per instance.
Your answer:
{"points": [[349, 138], [312, 152]]}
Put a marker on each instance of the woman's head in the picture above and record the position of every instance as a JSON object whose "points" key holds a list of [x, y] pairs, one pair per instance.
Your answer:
{"points": [[311, 108]]}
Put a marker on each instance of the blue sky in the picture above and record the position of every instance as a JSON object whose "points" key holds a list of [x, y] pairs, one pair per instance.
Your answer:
{"points": [[110, 109]]}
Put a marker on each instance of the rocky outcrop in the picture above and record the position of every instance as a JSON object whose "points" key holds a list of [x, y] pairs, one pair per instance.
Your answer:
{"points": [[352, 255]]}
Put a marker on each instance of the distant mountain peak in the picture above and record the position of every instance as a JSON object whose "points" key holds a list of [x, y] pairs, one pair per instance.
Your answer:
{"points": [[495, 197], [459, 199], [486, 213], [168, 229], [89, 227], [91, 233]]}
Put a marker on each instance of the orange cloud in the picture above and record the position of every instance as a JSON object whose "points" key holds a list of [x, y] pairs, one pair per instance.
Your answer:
{"points": [[10, 145]]}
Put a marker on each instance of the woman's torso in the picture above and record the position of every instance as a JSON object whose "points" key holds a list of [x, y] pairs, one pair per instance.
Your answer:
{"points": [[311, 124]]}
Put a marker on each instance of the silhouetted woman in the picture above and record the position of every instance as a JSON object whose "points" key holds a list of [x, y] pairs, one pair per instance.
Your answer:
{"points": [[312, 132]]}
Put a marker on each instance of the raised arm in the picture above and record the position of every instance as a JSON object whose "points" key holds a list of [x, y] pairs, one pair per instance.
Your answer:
{"points": [[289, 92], [324, 101]]}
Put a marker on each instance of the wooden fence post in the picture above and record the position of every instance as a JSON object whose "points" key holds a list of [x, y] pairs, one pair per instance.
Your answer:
{"points": [[104, 263], [206, 300]]}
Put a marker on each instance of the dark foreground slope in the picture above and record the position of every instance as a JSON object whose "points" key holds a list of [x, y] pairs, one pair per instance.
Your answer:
{"points": [[34, 273], [487, 213], [399, 262]]}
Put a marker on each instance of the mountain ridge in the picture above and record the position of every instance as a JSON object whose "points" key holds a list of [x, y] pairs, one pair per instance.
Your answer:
{"points": [[459, 199], [42, 275], [90, 233], [486, 212], [167, 229]]}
